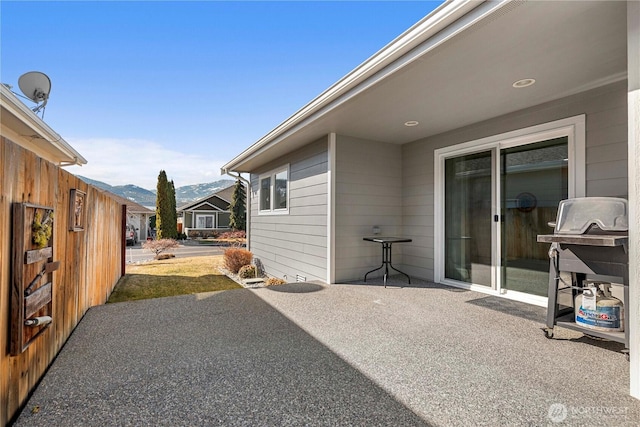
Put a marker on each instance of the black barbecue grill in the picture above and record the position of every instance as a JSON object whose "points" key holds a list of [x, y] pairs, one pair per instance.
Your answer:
{"points": [[590, 238]]}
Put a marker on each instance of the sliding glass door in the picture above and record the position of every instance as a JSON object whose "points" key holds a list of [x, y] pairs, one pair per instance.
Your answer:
{"points": [[495, 196], [533, 180], [467, 215]]}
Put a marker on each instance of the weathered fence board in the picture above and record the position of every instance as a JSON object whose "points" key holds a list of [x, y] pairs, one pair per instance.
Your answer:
{"points": [[35, 301], [90, 263]]}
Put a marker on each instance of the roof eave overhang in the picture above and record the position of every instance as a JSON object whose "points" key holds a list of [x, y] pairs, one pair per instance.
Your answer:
{"points": [[200, 202], [444, 17], [67, 154]]}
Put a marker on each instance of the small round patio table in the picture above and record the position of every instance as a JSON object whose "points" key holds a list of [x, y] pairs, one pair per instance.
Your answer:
{"points": [[386, 243]]}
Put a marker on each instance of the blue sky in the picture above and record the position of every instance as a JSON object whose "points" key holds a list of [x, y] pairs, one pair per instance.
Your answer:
{"points": [[185, 86]]}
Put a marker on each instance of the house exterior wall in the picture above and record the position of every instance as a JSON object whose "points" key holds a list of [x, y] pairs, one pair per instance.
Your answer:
{"points": [[204, 208], [224, 219], [214, 206], [606, 160], [140, 222], [213, 201], [295, 243], [219, 203], [368, 193], [221, 221]]}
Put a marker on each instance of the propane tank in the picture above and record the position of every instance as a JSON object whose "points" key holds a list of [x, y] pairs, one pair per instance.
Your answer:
{"points": [[596, 309]]}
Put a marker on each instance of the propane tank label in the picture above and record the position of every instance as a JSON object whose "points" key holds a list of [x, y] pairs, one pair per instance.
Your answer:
{"points": [[604, 318], [589, 299]]}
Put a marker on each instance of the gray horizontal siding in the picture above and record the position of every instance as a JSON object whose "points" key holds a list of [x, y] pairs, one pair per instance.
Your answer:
{"points": [[295, 243], [368, 186], [392, 187], [607, 153], [606, 160]]}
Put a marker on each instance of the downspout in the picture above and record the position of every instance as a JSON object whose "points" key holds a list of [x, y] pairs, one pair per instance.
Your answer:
{"points": [[238, 176]]}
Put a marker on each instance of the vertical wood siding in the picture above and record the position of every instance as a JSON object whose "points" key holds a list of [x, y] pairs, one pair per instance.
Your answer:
{"points": [[295, 243], [606, 157], [90, 263], [368, 193]]}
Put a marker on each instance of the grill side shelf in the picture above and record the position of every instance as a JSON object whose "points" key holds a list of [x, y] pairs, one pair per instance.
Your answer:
{"points": [[585, 239]]}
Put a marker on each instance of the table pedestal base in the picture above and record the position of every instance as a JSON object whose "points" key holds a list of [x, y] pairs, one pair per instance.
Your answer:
{"points": [[386, 264]]}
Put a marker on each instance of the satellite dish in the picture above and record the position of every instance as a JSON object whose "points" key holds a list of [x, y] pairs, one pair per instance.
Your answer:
{"points": [[35, 86]]}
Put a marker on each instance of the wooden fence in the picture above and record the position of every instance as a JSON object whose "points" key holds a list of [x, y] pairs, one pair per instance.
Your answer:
{"points": [[90, 263]]}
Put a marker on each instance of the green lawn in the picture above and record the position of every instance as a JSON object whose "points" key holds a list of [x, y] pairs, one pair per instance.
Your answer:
{"points": [[177, 276]]}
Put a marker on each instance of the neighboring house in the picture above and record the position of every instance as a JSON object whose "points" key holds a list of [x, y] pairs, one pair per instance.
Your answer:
{"points": [[503, 107], [203, 217], [137, 215]]}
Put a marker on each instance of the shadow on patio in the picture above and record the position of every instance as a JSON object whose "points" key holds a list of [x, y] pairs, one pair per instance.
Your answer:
{"points": [[458, 357], [223, 358], [314, 354]]}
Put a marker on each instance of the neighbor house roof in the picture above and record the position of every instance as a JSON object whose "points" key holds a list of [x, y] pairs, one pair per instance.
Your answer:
{"points": [[456, 67], [26, 129], [132, 207], [225, 194]]}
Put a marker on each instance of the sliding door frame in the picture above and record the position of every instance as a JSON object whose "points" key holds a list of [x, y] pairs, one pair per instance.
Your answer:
{"points": [[573, 128]]}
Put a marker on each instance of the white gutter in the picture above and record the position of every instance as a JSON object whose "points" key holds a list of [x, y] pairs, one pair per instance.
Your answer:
{"points": [[30, 119], [438, 20]]}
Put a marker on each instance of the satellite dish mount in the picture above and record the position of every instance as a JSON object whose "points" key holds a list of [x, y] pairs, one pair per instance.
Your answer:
{"points": [[36, 86]]}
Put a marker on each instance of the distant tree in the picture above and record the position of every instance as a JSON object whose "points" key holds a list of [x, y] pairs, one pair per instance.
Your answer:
{"points": [[171, 191], [238, 207], [165, 219]]}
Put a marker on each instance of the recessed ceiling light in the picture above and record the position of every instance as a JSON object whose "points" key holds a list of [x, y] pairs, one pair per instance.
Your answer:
{"points": [[411, 123], [523, 83]]}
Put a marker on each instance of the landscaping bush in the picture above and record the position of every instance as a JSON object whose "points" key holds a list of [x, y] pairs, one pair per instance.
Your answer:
{"points": [[275, 281], [239, 234], [203, 234], [160, 245], [236, 258], [247, 272], [193, 234]]}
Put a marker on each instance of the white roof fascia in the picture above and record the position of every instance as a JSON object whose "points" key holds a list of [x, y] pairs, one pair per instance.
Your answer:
{"points": [[202, 199], [213, 208], [363, 76], [201, 202], [29, 118]]}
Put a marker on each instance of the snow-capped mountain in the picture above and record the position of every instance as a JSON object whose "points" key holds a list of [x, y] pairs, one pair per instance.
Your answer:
{"points": [[146, 197]]}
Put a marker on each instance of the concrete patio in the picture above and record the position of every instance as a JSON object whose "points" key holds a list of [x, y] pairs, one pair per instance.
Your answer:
{"points": [[348, 354]]}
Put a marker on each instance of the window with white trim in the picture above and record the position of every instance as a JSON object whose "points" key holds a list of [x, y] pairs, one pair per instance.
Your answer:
{"points": [[274, 191], [265, 193]]}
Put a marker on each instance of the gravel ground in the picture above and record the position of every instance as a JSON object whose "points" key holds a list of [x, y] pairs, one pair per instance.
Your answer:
{"points": [[350, 354]]}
